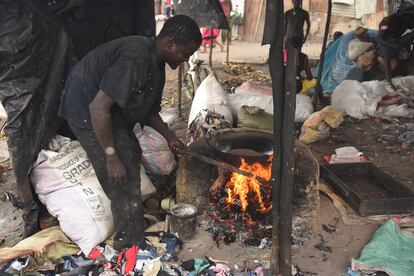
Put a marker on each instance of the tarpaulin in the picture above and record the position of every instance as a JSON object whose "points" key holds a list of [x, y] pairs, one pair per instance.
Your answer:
{"points": [[39, 42], [207, 13], [390, 251], [35, 56]]}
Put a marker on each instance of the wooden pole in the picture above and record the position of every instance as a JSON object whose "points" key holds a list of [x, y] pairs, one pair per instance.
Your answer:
{"points": [[227, 47], [274, 36], [180, 89], [322, 57], [288, 159], [210, 56], [256, 29]]}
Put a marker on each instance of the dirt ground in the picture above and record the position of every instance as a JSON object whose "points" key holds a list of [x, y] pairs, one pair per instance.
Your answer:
{"points": [[377, 140]]}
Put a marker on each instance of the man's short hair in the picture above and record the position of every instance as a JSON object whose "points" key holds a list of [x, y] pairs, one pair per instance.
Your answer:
{"points": [[182, 29]]}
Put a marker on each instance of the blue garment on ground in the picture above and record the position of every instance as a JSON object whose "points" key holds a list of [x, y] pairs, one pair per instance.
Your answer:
{"points": [[337, 64]]}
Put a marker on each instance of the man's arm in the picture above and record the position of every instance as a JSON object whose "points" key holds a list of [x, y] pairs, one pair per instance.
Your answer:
{"points": [[307, 21], [158, 124], [101, 118]]}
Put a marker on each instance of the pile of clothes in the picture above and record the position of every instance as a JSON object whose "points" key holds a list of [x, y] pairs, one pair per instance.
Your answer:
{"points": [[50, 252]]}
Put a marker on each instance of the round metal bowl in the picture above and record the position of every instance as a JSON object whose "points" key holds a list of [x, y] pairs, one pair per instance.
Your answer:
{"points": [[253, 146]]}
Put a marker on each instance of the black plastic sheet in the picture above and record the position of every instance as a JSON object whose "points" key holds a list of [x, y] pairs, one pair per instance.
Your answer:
{"points": [[207, 13], [39, 43]]}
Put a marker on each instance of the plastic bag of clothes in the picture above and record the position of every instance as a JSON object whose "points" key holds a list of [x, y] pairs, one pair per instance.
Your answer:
{"points": [[210, 109], [64, 179], [211, 96], [156, 156], [316, 127]]}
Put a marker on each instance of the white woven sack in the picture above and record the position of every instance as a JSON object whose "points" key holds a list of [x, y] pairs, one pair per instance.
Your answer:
{"points": [[65, 182]]}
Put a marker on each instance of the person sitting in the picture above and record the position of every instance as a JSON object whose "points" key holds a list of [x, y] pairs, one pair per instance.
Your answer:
{"points": [[396, 38], [303, 74]]}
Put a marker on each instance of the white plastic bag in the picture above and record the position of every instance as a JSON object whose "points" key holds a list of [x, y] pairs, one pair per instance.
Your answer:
{"points": [[156, 156], [401, 110], [356, 48], [210, 96], [247, 87], [3, 113], [65, 182], [349, 97], [304, 107], [360, 100]]}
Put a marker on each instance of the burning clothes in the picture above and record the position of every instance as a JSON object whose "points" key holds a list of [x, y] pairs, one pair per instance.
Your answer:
{"points": [[240, 206]]}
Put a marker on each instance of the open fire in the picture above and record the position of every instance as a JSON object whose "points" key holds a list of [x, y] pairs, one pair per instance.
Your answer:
{"points": [[241, 188], [240, 205]]}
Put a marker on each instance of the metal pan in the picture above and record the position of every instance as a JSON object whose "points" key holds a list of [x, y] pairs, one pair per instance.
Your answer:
{"points": [[253, 146]]}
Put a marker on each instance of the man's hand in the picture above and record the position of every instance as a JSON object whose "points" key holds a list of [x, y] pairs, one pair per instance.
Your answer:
{"points": [[116, 171], [176, 145], [101, 118]]}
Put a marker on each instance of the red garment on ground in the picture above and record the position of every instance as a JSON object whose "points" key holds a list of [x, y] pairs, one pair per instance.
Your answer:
{"points": [[95, 253], [131, 259]]}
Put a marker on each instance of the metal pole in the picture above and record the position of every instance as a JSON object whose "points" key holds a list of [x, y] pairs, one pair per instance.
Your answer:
{"points": [[322, 57], [180, 89], [288, 159], [273, 35]]}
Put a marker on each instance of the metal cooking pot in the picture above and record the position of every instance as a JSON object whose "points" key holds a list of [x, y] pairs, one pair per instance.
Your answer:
{"points": [[253, 146]]}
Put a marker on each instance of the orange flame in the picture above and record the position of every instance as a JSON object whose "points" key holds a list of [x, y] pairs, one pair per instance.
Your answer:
{"points": [[241, 186]]}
